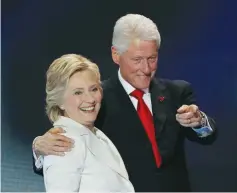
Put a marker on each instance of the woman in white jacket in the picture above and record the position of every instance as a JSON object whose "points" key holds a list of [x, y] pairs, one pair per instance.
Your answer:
{"points": [[73, 101]]}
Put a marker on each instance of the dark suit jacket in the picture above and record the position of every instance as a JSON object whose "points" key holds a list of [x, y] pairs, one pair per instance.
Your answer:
{"points": [[119, 120]]}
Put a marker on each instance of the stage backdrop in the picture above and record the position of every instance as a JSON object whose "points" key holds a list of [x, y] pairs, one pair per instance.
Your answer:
{"points": [[199, 44]]}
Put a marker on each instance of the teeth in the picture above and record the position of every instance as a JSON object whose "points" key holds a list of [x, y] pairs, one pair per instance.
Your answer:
{"points": [[87, 108]]}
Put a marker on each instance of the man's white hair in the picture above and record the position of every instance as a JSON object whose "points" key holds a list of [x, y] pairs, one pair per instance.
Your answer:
{"points": [[134, 27]]}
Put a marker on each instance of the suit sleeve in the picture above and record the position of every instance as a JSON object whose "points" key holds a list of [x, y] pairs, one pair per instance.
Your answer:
{"points": [[188, 98], [63, 173]]}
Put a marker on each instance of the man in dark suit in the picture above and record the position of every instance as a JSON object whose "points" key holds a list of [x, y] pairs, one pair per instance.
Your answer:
{"points": [[147, 119]]}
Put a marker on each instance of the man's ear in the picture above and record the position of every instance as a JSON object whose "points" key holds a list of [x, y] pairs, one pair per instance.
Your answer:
{"points": [[115, 55]]}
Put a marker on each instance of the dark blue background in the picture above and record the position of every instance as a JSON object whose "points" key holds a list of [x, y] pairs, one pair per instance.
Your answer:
{"points": [[199, 44]]}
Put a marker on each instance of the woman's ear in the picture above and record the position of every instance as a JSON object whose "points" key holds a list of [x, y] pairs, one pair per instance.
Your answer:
{"points": [[115, 55]]}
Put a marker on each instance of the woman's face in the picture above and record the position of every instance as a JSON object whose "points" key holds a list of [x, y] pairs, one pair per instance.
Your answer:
{"points": [[82, 98]]}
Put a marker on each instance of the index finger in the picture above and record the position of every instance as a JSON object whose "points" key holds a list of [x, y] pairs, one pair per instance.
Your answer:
{"points": [[187, 115], [193, 108], [64, 138], [183, 109]]}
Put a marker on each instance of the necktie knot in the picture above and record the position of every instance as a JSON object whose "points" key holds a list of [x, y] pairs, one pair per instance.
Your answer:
{"points": [[138, 94]]}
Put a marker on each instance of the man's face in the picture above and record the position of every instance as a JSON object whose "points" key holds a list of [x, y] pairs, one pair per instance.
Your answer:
{"points": [[138, 64]]}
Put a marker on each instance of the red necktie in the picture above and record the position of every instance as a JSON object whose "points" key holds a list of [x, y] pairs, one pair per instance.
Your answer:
{"points": [[147, 122]]}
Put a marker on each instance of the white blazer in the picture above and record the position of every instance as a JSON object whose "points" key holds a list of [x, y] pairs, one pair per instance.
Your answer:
{"points": [[93, 165]]}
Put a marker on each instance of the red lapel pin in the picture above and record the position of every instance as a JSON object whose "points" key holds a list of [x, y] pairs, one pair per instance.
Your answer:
{"points": [[161, 98]]}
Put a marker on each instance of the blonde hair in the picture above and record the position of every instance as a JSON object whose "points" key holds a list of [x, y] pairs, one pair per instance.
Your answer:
{"points": [[58, 75], [134, 27]]}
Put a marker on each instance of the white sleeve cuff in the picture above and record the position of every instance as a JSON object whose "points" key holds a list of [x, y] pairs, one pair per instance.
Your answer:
{"points": [[204, 131], [39, 160]]}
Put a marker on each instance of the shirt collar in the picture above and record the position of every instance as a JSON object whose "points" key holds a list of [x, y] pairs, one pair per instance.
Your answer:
{"points": [[128, 87], [70, 125]]}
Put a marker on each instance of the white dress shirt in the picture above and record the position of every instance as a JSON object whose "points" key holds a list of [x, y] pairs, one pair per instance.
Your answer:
{"points": [[129, 89], [93, 165]]}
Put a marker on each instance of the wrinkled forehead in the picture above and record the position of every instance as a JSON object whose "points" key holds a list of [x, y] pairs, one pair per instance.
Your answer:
{"points": [[143, 47]]}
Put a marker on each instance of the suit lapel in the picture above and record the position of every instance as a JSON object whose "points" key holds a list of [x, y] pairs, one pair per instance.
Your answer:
{"points": [[104, 153], [159, 99], [126, 111], [96, 147], [125, 101]]}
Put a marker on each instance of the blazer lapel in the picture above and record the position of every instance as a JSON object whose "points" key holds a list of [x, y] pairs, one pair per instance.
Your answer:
{"points": [[124, 101], [104, 153], [159, 99], [128, 113], [97, 148]]}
